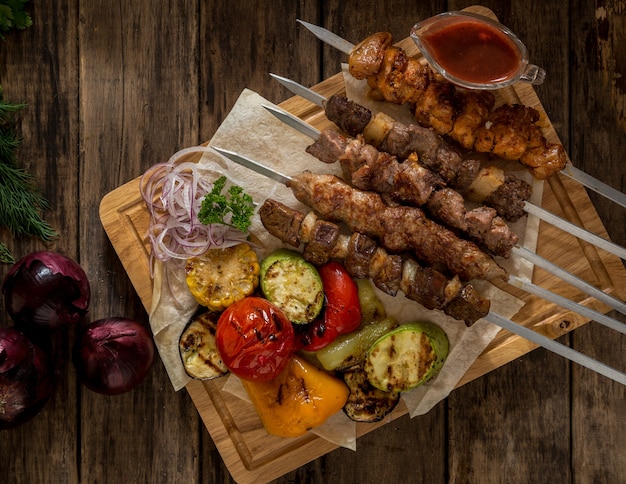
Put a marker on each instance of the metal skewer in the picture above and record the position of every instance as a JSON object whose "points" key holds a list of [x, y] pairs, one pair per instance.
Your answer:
{"points": [[492, 317], [570, 170], [539, 212], [584, 286]]}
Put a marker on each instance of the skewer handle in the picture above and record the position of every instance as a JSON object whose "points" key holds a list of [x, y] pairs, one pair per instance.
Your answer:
{"points": [[558, 348], [568, 304], [594, 184], [575, 230], [328, 37], [570, 278]]}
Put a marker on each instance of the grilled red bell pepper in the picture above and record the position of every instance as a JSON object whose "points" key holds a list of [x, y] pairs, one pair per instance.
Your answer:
{"points": [[342, 310]]}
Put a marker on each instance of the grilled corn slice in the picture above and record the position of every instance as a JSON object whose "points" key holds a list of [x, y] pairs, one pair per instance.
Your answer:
{"points": [[220, 277]]}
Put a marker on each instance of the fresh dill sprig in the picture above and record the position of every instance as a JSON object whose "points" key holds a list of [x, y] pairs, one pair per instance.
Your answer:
{"points": [[21, 200], [21, 203], [5, 254], [216, 206]]}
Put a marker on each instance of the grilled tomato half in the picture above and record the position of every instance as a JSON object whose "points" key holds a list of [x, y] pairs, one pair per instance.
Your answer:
{"points": [[255, 339]]}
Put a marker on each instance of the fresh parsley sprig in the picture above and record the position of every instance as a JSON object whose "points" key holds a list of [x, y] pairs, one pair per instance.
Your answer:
{"points": [[13, 15], [235, 208]]}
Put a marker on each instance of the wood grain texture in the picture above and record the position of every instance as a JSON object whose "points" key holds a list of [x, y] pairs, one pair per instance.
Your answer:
{"points": [[113, 88], [248, 451], [133, 57], [597, 131]]}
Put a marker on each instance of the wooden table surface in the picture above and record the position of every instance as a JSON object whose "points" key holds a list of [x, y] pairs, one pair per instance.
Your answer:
{"points": [[114, 87]]}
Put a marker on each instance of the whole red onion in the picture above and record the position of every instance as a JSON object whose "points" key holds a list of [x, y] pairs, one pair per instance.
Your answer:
{"points": [[113, 355], [26, 379], [47, 290]]}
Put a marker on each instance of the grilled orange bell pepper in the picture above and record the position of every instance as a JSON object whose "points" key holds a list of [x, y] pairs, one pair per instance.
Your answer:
{"points": [[300, 398]]}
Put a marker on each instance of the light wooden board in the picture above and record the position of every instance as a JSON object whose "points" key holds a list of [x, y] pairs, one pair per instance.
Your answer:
{"points": [[252, 455]]}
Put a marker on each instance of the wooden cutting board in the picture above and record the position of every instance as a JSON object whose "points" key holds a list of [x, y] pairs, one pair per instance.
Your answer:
{"points": [[252, 455]]}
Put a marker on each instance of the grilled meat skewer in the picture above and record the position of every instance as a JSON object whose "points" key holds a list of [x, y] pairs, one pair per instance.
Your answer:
{"points": [[489, 186], [362, 258], [398, 228], [408, 182], [487, 179], [401, 140], [507, 193], [571, 171], [509, 131]]}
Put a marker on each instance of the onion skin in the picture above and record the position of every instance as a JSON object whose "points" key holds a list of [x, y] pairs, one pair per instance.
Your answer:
{"points": [[113, 355], [26, 378], [46, 290]]}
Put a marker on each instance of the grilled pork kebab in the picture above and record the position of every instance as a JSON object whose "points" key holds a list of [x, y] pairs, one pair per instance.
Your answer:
{"points": [[401, 140], [410, 183], [398, 228], [363, 258]]}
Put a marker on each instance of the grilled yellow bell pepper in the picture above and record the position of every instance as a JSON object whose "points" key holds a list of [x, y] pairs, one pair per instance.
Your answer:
{"points": [[300, 398]]}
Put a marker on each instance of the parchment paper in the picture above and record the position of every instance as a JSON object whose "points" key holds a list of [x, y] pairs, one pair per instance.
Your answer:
{"points": [[253, 132]]}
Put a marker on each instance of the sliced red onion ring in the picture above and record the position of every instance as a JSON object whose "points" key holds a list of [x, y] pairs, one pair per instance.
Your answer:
{"points": [[173, 192]]}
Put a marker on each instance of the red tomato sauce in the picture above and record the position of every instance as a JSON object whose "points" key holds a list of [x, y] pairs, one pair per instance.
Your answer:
{"points": [[474, 52]]}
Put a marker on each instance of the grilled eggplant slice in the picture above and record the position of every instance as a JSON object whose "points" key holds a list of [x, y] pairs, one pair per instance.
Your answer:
{"points": [[365, 402], [407, 356], [198, 350]]}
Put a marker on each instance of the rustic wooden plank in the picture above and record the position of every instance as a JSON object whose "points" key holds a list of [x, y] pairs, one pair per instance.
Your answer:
{"points": [[250, 43], [598, 146], [139, 99], [500, 423], [114, 143], [45, 78]]}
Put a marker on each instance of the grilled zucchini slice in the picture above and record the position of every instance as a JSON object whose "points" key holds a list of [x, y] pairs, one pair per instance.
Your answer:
{"points": [[220, 277], [407, 356], [293, 284], [198, 350]]}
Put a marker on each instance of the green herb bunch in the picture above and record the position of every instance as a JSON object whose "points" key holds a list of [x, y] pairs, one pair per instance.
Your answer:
{"points": [[235, 208], [21, 201]]}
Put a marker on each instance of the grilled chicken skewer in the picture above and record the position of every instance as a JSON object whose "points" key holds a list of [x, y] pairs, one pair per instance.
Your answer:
{"points": [[493, 317], [362, 258], [568, 170], [466, 116], [541, 213]]}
